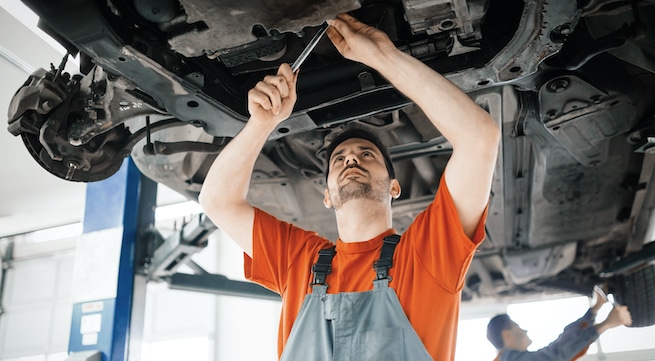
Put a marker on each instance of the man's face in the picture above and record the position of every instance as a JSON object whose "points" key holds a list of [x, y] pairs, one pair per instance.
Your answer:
{"points": [[516, 338], [357, 171]]}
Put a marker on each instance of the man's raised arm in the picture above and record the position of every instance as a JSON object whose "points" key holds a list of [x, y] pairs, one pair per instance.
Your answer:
{"points": [[471, 131], [224, 192]]}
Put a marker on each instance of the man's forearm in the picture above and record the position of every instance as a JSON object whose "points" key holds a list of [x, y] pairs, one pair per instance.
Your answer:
{"points": [[565, 347], [225, 190], [229, 175], [587, 320], [450, 109], [469, 129]]}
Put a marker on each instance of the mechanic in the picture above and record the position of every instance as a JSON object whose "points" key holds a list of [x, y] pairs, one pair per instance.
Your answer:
{"points": [[512, 341], [402, 310]]}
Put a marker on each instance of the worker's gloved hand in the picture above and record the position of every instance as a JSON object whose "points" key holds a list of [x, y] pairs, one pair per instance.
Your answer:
{"points": [[41, 93]]}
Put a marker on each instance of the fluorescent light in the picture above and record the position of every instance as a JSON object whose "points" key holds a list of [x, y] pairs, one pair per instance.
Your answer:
{"points": [[177, 210], [51, 234]]}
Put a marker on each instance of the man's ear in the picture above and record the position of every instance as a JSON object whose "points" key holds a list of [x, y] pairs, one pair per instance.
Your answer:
{"points": [[506, 335], [395, 189], [326, 199]]}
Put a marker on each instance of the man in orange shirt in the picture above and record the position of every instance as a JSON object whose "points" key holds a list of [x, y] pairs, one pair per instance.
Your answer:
{"points": [[389, 297]]}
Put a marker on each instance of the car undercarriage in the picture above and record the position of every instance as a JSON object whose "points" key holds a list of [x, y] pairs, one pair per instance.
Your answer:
{"points": [[571, 84]]}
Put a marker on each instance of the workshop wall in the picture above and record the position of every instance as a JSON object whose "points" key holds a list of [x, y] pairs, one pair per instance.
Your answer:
{"points": [[199, 326], [37, 306]]}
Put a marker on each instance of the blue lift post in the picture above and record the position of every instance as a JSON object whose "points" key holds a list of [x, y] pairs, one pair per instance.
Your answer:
{"points": [[109, 298]]}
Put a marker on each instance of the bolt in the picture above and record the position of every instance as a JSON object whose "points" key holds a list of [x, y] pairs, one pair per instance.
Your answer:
{"points": [[552, 114], [595, 99], [72, 167], [558, 85]]}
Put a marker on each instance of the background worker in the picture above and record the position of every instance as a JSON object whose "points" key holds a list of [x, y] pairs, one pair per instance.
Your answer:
{"points": [[346, 309], [512, 341]]}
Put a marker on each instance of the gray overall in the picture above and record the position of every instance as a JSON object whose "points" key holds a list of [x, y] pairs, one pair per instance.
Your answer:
{"points": [[354, 326]]}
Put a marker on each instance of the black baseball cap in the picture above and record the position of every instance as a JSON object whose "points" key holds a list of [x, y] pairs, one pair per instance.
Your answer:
{"points": [[360, 133]]}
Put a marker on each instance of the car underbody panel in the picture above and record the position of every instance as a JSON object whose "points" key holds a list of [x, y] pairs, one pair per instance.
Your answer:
{"points": [[571, 87]]}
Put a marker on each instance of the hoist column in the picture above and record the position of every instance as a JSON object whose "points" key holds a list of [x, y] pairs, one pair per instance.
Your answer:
{"points": [[108, 296]]}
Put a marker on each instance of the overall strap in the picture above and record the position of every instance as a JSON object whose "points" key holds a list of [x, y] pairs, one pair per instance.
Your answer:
{"points": [[382, 265], [323, 265]]}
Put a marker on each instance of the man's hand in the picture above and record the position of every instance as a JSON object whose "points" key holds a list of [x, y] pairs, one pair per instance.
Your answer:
{"points": [[272, 99], [619, 316], [358, 41]]}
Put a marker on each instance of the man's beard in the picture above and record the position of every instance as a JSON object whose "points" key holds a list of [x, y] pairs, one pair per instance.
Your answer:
{"points": [[356, 190]]}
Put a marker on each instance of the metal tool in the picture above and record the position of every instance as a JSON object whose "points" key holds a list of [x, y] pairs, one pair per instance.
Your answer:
{"points": [[310, 46], [608, 297]]}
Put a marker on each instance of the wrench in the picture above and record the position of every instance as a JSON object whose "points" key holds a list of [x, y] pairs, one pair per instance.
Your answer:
{"points": [[310, 46]]}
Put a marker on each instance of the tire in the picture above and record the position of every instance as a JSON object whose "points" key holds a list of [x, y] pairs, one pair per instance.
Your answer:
{"points": [[637, 291]]}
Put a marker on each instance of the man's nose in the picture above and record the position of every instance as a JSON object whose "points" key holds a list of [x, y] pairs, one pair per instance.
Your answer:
{"points": [[351, 158]]}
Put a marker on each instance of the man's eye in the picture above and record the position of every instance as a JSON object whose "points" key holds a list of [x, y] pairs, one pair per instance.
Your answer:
{"points": [[338, 159], [367, 154]]}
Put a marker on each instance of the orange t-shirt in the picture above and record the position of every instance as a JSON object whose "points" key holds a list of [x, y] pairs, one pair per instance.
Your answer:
{"points": [[428, 273]]}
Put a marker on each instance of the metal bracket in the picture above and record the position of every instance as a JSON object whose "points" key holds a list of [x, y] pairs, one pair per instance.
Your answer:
{"points": [[177, 249], [220, 285], [366, 81]]}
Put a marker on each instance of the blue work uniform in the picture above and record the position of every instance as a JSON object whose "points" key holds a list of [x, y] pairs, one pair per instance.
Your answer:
{"points": [[575, 337]]}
